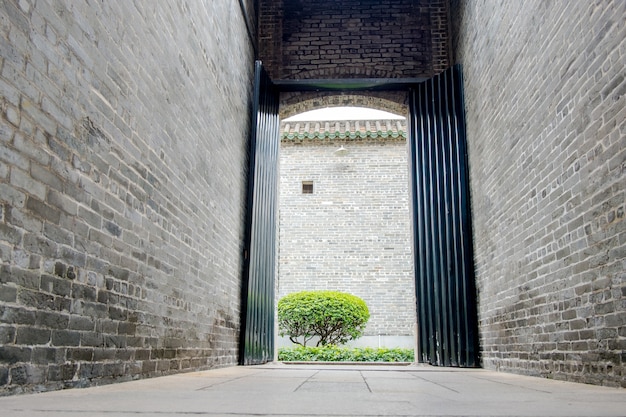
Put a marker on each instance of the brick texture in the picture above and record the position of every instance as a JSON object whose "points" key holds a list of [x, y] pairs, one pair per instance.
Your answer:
{"points": [[353, 234], [121, 204], [546, 127], [300, 39], [121, 196]]}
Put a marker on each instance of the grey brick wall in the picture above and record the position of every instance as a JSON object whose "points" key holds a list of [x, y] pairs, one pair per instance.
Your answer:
{"points": [[353, 233], [546, 126], [121, 203]]}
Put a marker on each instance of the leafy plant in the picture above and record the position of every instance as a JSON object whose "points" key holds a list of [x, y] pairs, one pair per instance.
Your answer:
{"points": [[333, 316], [332, 353]]}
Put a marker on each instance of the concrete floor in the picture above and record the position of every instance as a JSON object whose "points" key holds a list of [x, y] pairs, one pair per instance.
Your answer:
{"points": [[327, 390]]}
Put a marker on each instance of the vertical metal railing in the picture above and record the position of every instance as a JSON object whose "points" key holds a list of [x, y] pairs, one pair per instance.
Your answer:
{"points": [[257, 332], [444, 270]]}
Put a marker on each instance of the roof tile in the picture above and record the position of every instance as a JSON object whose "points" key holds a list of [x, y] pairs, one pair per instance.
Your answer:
{"points": [[344, 129]]}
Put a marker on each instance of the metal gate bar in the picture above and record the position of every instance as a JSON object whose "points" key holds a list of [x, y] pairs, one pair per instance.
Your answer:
{"points": [[257, 332], [444, 270]]}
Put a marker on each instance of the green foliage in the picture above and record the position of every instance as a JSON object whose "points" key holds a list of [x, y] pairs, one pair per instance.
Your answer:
{"points": [[333, 316], [331, 353]]}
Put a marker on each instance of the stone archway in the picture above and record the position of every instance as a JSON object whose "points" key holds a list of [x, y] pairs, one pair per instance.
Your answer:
{"points": [[292, 103]]}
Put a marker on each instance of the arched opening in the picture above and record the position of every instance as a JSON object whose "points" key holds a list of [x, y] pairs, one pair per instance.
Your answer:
{"points": [[301, 102], [341, 113], [440, 216], [344, 216]]}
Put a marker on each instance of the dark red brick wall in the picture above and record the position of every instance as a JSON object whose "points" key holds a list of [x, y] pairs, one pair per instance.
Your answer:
{"points": [[300, 39]]}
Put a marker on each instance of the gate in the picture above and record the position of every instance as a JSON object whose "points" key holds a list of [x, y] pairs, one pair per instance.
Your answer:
{"points": [[444, 269], [257, 330]]}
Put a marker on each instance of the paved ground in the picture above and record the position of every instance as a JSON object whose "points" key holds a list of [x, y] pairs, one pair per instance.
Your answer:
{"points": [[306, 390]]}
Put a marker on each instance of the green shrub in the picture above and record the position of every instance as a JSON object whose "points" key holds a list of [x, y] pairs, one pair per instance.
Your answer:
{"points": [[331, 353], [333, 316]]}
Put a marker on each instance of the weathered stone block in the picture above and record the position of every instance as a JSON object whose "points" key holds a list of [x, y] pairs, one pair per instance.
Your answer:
{"points": [[32, 336], [83, 292], [10, 234], [48, 355], [80, 354], [62, 372], [91, 339], [40, 245], [52, 320], [7, 335], [81, 323], [37, 300], [91, 370], [65, 338], [27, 375], [56, 285], [14, 354]]}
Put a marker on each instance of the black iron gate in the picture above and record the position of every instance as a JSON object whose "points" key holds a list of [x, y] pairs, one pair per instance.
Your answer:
{"points": [[444, 270], [257, 331]]}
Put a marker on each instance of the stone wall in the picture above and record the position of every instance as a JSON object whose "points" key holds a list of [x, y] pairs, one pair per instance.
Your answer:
{"points": [[546, 127], [353, 233], [122, 184], [300, 39]]}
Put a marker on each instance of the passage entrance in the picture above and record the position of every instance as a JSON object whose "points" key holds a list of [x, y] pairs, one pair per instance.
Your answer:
{"points": [[446, 301]]}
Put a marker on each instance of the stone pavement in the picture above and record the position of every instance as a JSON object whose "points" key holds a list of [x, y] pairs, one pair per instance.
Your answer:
{"points": [[327, 390]]}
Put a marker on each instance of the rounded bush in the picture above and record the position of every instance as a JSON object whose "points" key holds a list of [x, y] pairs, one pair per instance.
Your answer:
{"points": [[333, 316]]}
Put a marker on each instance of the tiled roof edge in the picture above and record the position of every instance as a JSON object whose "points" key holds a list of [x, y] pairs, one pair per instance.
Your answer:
{"points": [[344, 129]]}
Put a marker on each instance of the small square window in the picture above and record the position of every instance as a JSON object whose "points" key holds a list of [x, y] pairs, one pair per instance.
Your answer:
{"points": [[307, 187]]}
